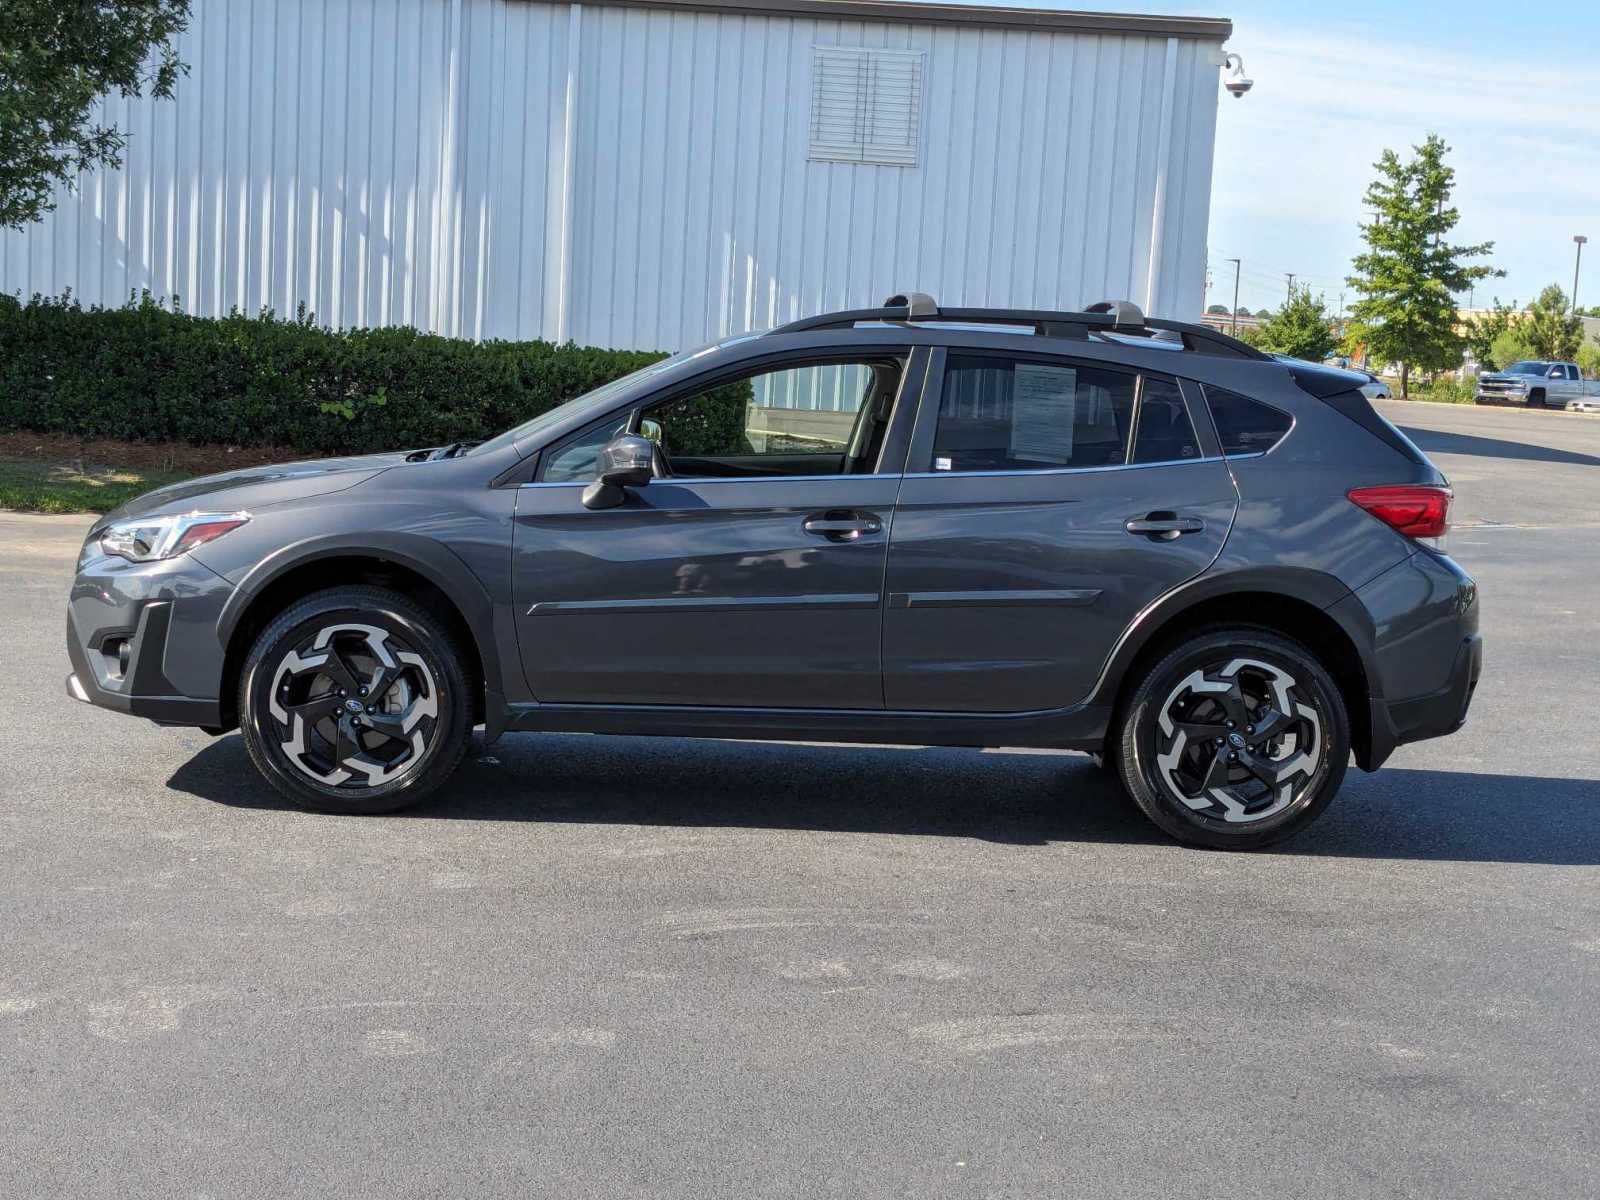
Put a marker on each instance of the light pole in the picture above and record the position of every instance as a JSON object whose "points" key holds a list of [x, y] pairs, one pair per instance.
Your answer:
{"points": [[1291, 285], [1236, 266], [1578, 266]]}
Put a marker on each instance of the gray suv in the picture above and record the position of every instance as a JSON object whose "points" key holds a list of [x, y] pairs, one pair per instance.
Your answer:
{"points": [[1141, 539]]}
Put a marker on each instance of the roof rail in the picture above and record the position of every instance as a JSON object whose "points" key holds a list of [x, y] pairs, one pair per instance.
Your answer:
{"points": [[1121, 318]]}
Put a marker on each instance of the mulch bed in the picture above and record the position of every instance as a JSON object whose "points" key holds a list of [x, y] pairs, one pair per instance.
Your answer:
{"points": [[161, 456]]}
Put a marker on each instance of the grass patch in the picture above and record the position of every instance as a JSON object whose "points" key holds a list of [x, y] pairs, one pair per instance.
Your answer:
{"points": [[31, 485]]}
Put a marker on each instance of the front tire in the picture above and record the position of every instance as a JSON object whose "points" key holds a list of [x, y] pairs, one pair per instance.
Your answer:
{"points": [[354, 701], [1235, 739]]}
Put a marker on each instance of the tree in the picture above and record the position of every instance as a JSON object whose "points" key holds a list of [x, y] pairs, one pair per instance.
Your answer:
{"points": [[1481, 332], [1408, 274], [1299, 329], [57, 58], [1511, 345], [1552, 332], [1589, 359], [1217, 310]]}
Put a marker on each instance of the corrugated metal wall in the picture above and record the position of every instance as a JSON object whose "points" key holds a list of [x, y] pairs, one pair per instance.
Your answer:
{"points": [[407, 161]]}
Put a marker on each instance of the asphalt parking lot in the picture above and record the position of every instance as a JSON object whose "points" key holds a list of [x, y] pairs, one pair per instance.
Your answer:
{"points": [[632, 968]]}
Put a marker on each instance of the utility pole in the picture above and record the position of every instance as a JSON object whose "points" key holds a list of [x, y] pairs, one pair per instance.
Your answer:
{"points": [[1291, 286], [1581, 240], [1236, 268]]}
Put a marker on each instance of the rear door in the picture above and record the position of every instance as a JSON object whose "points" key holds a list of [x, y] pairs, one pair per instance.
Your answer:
{"points": [[1046, 502]]}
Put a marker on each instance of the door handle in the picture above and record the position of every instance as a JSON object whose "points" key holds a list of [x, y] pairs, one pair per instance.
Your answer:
{"points": [[1164, 526], [842, 526]]}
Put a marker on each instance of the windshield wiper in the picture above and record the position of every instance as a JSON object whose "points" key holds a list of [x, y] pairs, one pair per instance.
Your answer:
{"points": [[454, 450]]}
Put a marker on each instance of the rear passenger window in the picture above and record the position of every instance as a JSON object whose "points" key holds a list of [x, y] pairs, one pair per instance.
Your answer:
{"points": [[1165, 433], [1246, 426], [1007, 415]]}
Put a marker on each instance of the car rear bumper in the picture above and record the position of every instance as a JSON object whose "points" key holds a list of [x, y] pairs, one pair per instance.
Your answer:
{"points": [[1424, 652], [1444, 711]]}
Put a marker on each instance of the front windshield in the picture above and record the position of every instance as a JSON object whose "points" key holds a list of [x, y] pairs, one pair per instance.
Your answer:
{"points": [[1526, 368], [595, 399]]}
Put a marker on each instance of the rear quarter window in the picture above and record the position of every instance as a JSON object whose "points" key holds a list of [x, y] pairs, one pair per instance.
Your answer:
{"points": [[1246, 426]]}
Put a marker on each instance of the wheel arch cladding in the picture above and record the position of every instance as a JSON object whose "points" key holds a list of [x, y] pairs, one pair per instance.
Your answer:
{"points": [[1262, 602], [423, 570]]}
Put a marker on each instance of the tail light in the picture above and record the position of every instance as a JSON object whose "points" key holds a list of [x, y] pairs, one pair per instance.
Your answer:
{"points": [[1416, 510]]}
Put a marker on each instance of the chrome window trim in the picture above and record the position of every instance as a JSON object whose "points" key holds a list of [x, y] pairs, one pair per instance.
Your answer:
{"points": [[1167, 462], [668, 479]]}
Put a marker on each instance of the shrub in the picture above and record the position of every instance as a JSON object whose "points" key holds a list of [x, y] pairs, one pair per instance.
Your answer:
{"points": [[1446, 390], [149, 372]]}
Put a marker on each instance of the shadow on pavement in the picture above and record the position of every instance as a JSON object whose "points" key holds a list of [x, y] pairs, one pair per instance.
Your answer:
{"points": [[1434, 441], [1018, 798]]}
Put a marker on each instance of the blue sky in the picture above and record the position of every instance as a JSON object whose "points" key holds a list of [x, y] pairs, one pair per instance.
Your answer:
{"points": [[1513, 87]]}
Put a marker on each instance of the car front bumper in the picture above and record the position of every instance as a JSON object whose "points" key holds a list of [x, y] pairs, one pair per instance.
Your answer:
{"points": [[142, 638]]}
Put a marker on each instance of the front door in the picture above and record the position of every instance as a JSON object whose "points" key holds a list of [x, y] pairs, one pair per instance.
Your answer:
{"points": [[750, 576], [1046, 503]]}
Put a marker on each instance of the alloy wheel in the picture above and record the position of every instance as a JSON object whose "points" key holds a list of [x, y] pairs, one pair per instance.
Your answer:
{"points": [[355, 706], [1239, 742]]}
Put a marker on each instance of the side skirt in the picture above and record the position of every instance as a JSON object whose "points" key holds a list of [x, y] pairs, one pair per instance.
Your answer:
{"points": [[1082, 727]]}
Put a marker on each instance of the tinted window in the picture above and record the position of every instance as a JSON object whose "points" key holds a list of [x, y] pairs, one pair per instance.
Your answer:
{"points": [[1165, 433], [576, 460], [1246, 426], [815, 418], [799, 410], [1000, 415]]}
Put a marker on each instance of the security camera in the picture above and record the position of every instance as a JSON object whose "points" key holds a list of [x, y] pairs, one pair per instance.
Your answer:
{"points": [[1238, 83]]}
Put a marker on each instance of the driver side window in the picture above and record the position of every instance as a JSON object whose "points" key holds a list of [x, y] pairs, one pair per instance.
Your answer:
{"points": [[815, 419], [811, 419]]}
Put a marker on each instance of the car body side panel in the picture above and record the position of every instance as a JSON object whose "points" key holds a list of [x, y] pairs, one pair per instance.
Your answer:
{"points": [[436, 519], [704, 592], [1421, 610], [1007, 591], [1293, 506]]}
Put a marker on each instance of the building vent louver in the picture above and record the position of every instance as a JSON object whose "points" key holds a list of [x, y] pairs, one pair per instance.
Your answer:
{"points": [[866, 105]]}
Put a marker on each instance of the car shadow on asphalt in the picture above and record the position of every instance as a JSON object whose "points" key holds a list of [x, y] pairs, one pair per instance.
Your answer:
{"points": [[1014, 798], [1435, 441]]}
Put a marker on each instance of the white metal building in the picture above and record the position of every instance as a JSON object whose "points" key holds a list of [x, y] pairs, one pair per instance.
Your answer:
{"points": [[648, 173]]}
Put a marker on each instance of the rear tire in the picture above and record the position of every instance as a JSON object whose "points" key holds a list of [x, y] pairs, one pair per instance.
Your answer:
{"points": [[1235, 739], [354, 701]]}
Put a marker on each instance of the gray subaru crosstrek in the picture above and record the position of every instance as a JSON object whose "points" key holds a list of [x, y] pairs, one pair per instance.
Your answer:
{"points": [[1141, 539]]}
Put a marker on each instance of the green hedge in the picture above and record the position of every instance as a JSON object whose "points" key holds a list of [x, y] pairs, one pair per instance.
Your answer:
{"points": [[148, 372]]}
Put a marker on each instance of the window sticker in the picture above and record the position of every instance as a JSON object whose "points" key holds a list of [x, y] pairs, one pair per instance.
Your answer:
{"points": [[1044, 402]]}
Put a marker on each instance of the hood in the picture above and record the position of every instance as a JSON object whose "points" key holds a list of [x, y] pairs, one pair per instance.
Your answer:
{"points": [[1505, 377], [254, 487]]}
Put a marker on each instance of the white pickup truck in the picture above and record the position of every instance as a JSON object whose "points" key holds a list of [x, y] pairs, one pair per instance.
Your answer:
{"points": [[1536, 383]]}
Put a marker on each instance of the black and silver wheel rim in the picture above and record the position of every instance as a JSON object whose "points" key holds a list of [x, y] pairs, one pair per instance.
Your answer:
{"points": [[1240, 742], [355, 706]]}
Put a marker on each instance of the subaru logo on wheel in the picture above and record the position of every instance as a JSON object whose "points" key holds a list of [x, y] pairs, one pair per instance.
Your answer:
{"points": [[1236, 740]]}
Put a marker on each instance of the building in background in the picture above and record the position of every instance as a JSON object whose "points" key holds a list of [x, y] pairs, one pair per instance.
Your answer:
{"points": [[648, 173]]}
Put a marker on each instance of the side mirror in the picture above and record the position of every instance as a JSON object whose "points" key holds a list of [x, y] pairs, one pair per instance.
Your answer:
{"points": [[1556, 373], [626, 461]]}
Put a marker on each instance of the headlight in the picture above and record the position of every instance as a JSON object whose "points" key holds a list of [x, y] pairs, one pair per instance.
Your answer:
{"points": [[146, 539]]}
